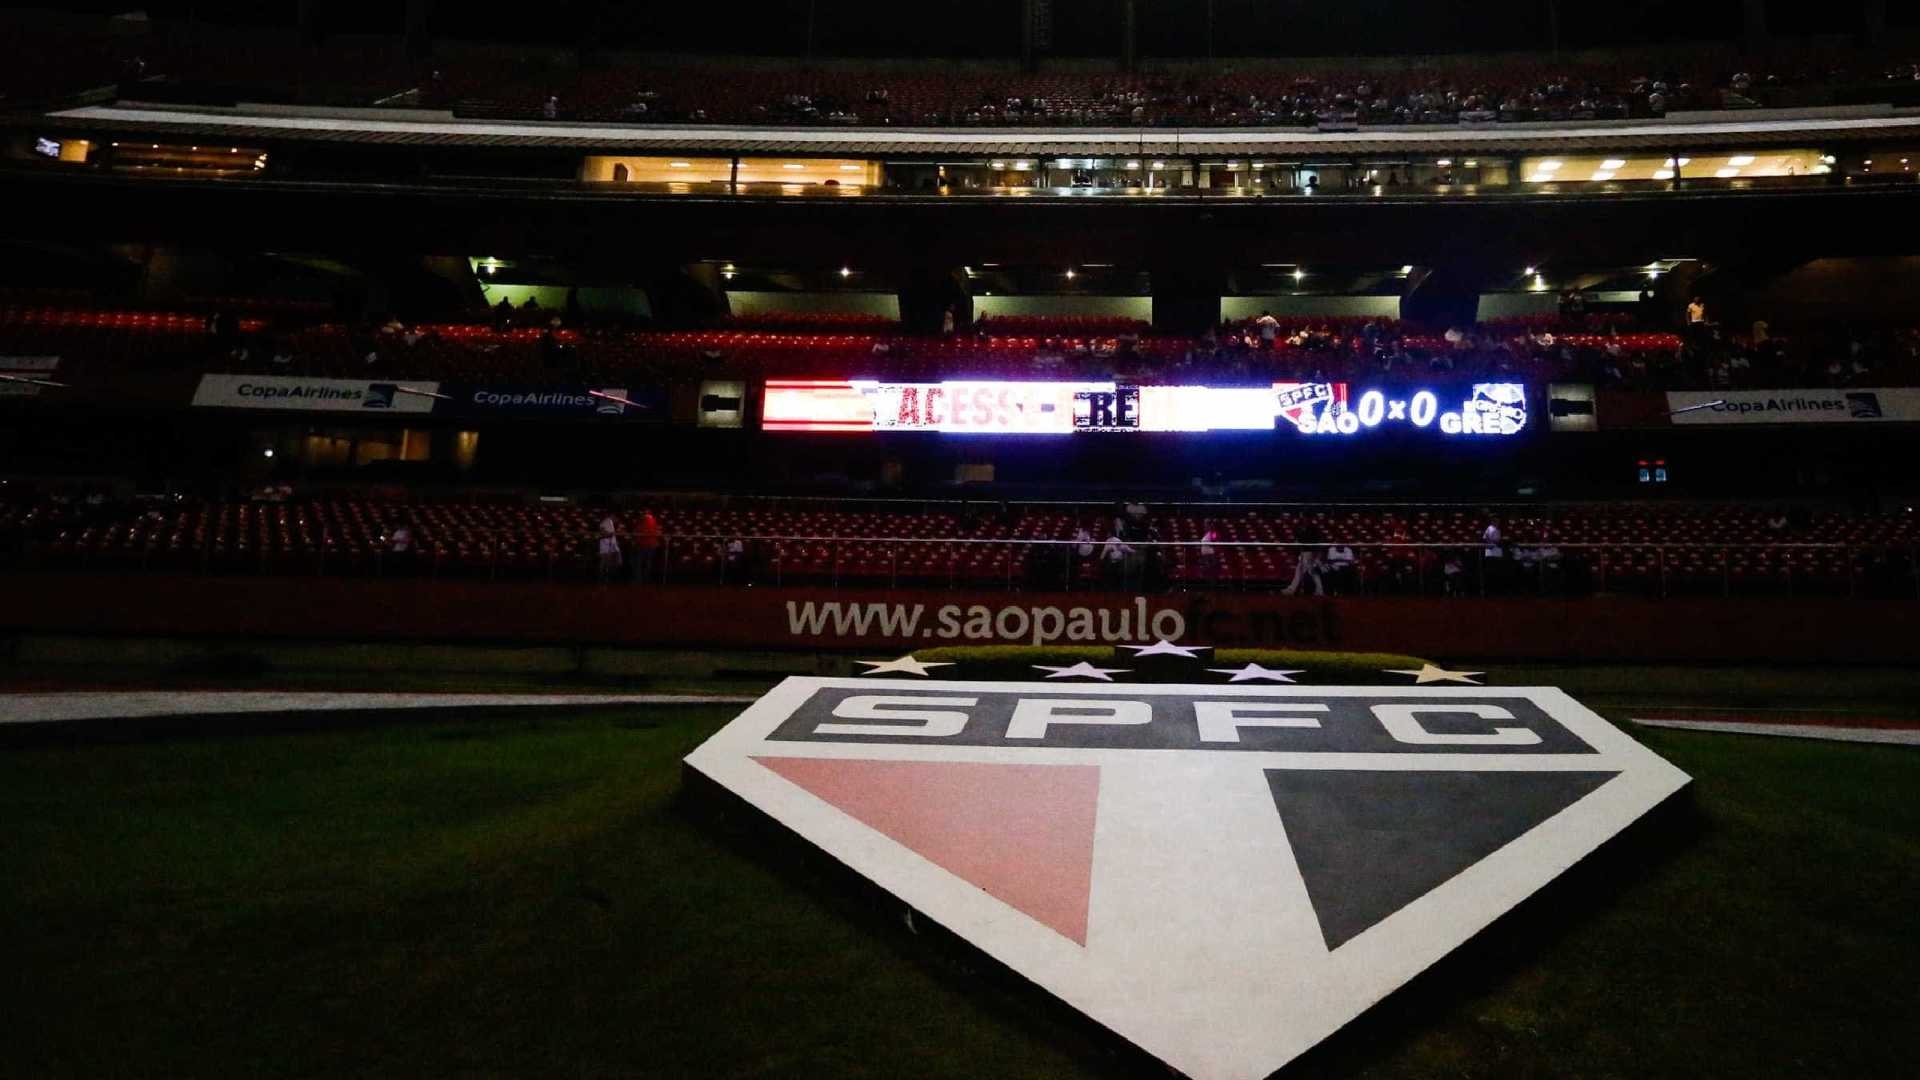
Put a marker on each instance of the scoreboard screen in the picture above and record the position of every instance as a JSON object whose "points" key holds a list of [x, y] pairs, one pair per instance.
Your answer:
{"points": [[993, 407]]}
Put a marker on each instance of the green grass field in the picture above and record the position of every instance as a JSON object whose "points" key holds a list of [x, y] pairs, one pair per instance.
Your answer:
{"points": [[522, 896]]}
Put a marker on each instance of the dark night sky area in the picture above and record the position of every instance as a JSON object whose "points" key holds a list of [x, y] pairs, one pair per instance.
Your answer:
{"points": [[982, 28]]}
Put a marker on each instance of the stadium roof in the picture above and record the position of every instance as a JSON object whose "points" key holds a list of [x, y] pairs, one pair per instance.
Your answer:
{"points": [[418, 128]]}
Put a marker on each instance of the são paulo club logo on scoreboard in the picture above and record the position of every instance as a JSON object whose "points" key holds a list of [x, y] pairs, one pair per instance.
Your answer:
{"points": [[970, 407], [1224, 875]]}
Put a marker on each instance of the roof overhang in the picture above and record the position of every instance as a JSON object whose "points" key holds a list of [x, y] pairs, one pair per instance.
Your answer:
{"points": [[416, 128]]}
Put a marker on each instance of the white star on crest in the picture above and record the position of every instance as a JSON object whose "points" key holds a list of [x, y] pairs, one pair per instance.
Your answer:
{"points": [[1427, 673], [1255, 671], [1082, 670], [905, 665], [1163, 647]]}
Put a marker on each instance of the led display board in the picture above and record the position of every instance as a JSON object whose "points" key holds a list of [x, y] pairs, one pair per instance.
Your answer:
{"points": [[992, 407]]}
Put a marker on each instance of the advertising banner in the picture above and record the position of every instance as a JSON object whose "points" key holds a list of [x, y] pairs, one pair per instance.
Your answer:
{"points": [[315, 395], [970, 407], [883, 623], [1820, 406], [648, 403], [29, 363]]}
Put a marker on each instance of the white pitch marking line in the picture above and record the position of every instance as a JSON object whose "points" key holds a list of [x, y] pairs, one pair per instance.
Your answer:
{"points": [[1894, 736], [44, 708]]}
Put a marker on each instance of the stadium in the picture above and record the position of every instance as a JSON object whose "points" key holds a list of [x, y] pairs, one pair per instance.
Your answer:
{"points": [[1043, 538]]}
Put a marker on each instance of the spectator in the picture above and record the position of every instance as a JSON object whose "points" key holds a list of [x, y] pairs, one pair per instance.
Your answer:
{"points": [[1341, 566], [610, 557], [400, 554], [1493, 556], [1209, 557], [1308, 565], [1116, 558], [1269, 328], [734, 566], [646, 544]]}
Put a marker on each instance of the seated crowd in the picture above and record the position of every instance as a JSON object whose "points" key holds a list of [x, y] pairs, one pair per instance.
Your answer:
{"points": [[1256, 93], [531, 344], [538, 84]]}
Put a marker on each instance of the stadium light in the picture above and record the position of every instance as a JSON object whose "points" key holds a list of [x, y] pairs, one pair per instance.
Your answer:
{"points": [[846, 272], [1531, 271], [1614, 163], [1069, 273], [1471, 163], [267, 453], [1298, 273], [1444, 162], [1741, 160]]}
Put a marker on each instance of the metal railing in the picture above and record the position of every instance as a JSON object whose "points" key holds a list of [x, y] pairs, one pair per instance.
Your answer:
{"points": [[1458, 568]]}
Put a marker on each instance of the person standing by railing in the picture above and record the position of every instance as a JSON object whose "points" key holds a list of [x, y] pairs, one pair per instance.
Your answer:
{"points": [[646, 545], [609, 550], [1209, 555]]}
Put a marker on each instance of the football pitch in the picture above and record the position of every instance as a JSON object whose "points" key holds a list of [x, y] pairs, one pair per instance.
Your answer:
{"points": [[532, 893]]}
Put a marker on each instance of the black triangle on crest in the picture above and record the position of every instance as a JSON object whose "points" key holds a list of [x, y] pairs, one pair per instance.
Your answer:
{"points": [[1369, 843]]}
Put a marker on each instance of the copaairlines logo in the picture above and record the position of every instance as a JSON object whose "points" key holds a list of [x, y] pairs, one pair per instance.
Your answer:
{"points": [[1223, 875]]}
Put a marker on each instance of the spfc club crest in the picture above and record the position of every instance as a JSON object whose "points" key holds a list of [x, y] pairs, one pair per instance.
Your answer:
{"points": [[1223, 875]]}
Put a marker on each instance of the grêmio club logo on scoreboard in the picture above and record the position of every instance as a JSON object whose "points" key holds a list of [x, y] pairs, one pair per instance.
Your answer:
{"points": [[1222, 875]]}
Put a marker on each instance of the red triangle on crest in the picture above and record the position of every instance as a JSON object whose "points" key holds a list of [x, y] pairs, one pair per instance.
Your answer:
{"points": [[1021, 833]]}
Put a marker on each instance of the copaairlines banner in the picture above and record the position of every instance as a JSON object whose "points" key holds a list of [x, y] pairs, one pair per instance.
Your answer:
{"points": [[314, 395], [1822, 406]]}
